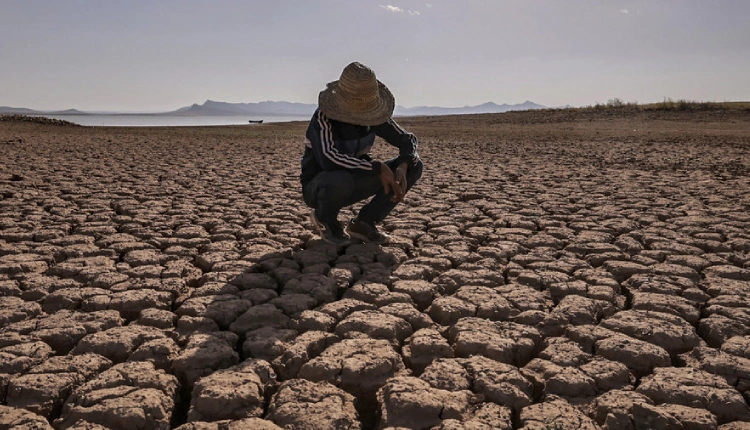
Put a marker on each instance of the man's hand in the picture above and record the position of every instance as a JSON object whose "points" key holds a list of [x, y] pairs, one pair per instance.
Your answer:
{"points": [[390, 184], [400, 176]]}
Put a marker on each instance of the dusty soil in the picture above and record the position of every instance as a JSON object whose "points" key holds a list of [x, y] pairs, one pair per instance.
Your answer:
{"points": [[552, 270]]}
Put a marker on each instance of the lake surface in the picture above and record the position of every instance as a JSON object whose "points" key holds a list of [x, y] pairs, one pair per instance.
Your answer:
{"points": [[138, 120]]}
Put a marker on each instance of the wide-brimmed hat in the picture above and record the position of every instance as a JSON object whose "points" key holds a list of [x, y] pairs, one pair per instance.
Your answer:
{"points": [[357, 97]]}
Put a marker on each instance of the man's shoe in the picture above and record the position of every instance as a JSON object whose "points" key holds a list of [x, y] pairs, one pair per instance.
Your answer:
{"points": [[366, 232], [330, 233]]}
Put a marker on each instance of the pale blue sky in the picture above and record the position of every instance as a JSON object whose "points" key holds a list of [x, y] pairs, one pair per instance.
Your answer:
{"points": [[157, 55]]}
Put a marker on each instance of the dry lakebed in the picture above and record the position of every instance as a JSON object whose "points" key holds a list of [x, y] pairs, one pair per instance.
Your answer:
{"points": [[556, 269]]}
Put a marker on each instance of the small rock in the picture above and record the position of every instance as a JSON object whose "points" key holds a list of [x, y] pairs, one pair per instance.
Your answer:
{"points": [[355, 365], [555, 413], [128, 395], [412, 403], [203, 354], [18, 418], [233, 393], [305, 405], [696, 388]]}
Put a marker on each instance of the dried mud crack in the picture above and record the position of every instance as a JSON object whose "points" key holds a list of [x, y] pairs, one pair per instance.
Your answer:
{"points": [[551, 270]]}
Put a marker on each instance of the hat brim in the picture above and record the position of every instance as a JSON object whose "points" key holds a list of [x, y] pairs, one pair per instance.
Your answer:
{"points": [[336, 107]]}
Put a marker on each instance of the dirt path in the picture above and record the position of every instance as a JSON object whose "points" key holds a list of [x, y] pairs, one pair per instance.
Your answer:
{"points": [[551, 270]]}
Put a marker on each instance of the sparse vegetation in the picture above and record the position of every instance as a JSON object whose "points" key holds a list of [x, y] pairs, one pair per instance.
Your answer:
{"points": [[669, 104], [37, 119]]}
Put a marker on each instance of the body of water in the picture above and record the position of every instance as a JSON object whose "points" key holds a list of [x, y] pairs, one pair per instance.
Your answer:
{"points": [[140, 120]]}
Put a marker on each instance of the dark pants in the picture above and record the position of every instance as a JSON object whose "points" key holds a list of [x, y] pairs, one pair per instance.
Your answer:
{"points": [[330, 191]]}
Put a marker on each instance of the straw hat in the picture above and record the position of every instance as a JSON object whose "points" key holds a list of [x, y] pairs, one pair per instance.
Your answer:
{"points": [[357, 97]]}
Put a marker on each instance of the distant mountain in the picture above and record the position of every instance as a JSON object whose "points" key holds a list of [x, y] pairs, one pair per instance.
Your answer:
{"points": [[68, 112], [213, 108], [12, 110], [24, 111], [281, 108], [488, 107]]}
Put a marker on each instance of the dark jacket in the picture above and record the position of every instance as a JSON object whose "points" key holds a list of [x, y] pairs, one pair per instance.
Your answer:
{"points": [[331, 145]]}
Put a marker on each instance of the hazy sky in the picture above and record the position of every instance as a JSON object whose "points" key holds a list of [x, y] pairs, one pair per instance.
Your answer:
{"points": [[157, 55]]}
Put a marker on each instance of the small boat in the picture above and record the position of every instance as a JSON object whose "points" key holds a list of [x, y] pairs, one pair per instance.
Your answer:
{"points": [[255, 121]]}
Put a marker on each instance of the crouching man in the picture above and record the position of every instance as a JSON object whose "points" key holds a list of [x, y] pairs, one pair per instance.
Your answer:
{"points": [[337, 170]]}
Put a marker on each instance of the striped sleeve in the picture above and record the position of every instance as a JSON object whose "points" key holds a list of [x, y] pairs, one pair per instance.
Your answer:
{"points": [[397, 136], [328, 149], [410, 147]]}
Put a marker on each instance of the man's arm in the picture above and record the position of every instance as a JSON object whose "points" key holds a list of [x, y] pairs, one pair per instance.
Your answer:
{"points": [[397, 136]]}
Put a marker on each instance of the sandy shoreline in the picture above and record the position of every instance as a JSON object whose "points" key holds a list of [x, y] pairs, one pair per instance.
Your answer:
{"points": [[583, 269]]}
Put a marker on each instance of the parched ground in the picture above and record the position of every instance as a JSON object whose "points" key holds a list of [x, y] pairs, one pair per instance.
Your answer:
{"points": [[552, 270]]}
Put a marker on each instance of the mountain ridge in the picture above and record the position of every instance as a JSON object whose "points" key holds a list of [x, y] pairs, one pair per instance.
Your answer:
{"points": [[284, 108], [26, 111], [488, 107]]}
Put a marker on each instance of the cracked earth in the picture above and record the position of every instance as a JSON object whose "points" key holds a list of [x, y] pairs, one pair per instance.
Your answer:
{"points": [[551, 270]]}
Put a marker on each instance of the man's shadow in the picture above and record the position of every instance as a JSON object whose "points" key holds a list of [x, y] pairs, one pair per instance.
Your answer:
{"points": [[305, 293], [279, 296]]}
